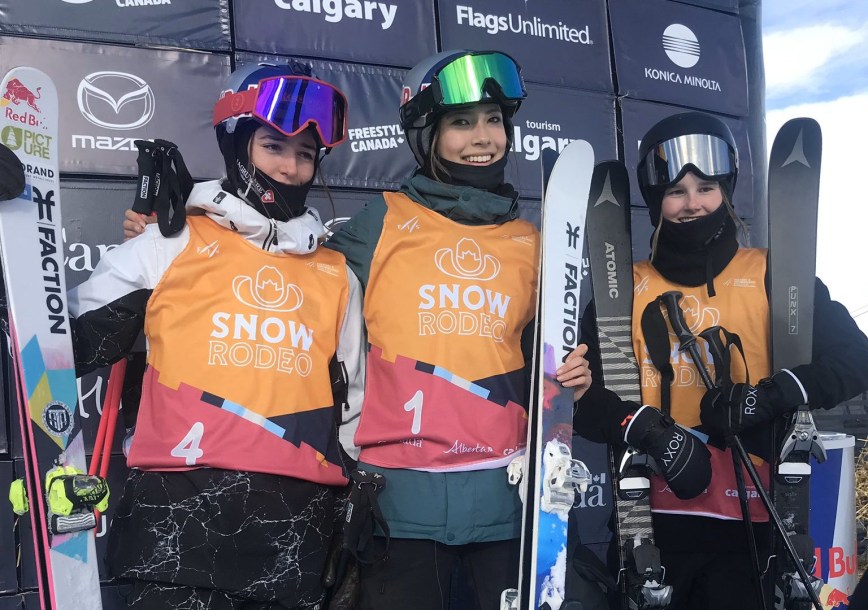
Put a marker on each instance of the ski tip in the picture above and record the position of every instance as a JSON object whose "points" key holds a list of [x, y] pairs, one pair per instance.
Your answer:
{"points": [[799, 141]]}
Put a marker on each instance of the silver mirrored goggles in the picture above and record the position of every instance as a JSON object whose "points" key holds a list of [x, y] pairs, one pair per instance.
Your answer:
{"points": [[710, 155]]}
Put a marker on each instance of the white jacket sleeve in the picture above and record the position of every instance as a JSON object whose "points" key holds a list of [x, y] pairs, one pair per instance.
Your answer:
{"points": [[351, 352]]}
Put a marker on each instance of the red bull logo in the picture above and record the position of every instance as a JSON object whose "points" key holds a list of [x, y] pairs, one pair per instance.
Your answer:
{"points": [[837, 599], [17, 92]]}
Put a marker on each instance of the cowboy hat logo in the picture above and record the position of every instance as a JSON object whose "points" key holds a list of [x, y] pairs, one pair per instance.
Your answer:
{"points": [[268, 290], [466, 261]]}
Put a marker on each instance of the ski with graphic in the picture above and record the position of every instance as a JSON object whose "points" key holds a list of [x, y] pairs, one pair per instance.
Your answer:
{"points": [[551, 474], [611, 258], [793, 195], [32, 257]]}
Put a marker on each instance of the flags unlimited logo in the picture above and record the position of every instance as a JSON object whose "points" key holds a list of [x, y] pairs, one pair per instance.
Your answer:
{"points": [[495, 24], [682, 48]]}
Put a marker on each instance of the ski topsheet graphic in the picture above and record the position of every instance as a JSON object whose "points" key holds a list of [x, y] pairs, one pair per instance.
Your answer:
{"points": [[32, 257], [611, 257], [794, 188], [550, 475]]}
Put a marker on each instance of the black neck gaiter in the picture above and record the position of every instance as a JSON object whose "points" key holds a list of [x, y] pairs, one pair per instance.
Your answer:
{"points": [[693, 253], [484, 177]]}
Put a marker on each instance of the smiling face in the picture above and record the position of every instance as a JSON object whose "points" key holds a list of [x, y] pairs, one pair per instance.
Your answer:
{"points": [[472, 136], [690, 198], [284, 159]]}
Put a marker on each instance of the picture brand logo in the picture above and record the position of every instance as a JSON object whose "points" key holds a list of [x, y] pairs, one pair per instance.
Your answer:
{"points": [[681, 45], [115, 100]]}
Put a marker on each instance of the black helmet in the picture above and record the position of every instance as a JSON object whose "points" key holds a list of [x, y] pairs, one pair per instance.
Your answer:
{"points": [[455, 79], [690, 141]]}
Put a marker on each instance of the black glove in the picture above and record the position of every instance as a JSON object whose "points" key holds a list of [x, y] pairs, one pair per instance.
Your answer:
{"points": [[728, 411], [682, 459]]}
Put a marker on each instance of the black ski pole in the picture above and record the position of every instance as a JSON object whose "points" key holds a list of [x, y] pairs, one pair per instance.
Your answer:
{"points": [[688, 343], [720, 355]]}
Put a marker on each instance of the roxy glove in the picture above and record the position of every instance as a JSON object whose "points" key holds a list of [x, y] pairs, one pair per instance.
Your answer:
{"points": [[728, 411], [682, 459]]}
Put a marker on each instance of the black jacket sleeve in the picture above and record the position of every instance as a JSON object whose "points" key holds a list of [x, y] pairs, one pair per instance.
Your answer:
{"points": [[599, 413], [838, 369]]}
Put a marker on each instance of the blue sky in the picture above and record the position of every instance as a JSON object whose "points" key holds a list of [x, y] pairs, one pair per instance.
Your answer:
{"points": [[816, 64]]}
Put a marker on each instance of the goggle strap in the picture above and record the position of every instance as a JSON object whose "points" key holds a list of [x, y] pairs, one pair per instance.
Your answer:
{"points": [[235, 104]]}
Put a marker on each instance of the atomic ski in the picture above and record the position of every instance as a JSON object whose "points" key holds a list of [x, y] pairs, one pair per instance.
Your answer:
{"points": [[33, 271], [794, 188], [549, 474], [611, 258]]}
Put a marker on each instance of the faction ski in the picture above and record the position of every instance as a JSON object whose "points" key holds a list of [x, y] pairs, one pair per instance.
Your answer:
{"points": [[794, 187], [33, 271], [550, 475], [611, 258]]}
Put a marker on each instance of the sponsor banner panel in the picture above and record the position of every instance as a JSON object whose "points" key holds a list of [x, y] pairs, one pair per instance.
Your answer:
{"points": [[374, 156], [730, 6], [552, 117], [637, 117], [391, 32], [193, 24], [679, 54], [555, 42], [111, 95], [594, 506]]}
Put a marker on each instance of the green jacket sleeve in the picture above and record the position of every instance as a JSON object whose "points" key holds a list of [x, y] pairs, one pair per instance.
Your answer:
{"points": [[357, 238]]}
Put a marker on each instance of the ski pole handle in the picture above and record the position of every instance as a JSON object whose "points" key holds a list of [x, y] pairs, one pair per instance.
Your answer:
{"points": [[719, 354], [144, 201], [686, 338]]}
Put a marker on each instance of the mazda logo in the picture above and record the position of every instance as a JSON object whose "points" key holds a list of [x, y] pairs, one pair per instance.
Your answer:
{"points": [[115, 100]]}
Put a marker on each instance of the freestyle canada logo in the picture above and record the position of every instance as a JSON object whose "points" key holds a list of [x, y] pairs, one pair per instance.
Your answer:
{"points": [[494, 24], [335, 11], [683, 49], [375, 137], [125, 3]]}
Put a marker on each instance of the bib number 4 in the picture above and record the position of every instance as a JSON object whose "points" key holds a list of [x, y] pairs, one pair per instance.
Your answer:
{"points": [[188, 448]]}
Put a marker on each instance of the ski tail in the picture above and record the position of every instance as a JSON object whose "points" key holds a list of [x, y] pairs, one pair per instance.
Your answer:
{"points": [[610, 252], [793, 190]]}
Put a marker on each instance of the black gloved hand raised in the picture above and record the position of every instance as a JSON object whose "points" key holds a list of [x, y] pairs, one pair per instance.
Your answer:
{"points": [[728, 411], [683, 459]]}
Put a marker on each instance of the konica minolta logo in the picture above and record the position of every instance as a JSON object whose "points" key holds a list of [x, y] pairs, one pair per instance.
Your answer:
{"points": [[683, 49], [375, 137], [335, 11], [513, 22]]}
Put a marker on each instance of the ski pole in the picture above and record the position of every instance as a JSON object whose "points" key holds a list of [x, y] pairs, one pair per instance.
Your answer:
{"points": [[99, 461], [676, 316], [687, 342], [720, 355]]}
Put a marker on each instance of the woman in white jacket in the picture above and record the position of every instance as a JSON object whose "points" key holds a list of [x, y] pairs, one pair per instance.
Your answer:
{"points": [[235, 462]]}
